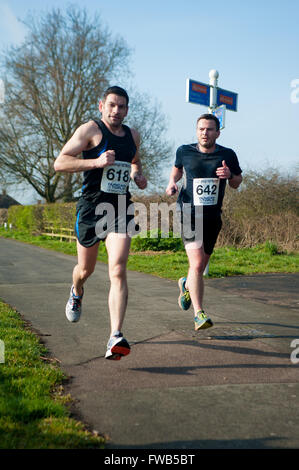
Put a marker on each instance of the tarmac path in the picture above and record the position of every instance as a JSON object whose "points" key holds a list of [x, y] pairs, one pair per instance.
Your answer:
{"points": [[231, 386]]}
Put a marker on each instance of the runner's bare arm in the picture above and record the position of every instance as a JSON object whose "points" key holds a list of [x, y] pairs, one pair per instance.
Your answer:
{"points": [[136, 167], [175, 176], [224, 172], [84, 138], [235, 181]]}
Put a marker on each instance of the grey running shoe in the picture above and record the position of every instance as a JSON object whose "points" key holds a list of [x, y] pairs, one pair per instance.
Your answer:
{"points": [[202, 321], [117, 347], [73, 309]]}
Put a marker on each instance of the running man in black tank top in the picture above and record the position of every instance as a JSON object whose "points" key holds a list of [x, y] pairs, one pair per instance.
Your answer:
{"points": [[110, 159], [206, 167]]}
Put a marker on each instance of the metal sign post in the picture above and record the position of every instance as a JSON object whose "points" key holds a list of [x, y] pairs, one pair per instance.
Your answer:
{"points": [[213, 89], [217, 99]]}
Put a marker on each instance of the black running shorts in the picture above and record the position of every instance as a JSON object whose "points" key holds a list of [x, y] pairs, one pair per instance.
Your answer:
{"points": [[204, 230], [96, 218]]}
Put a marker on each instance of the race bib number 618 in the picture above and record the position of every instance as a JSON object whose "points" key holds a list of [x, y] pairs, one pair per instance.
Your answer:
{"points": [[116, 177], [205, 191]]}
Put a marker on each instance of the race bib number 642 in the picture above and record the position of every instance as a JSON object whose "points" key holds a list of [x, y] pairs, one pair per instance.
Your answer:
{"points": [[205, 191]]}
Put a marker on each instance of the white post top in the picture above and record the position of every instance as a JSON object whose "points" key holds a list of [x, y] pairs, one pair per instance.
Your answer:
{"points": [[213, 74]]}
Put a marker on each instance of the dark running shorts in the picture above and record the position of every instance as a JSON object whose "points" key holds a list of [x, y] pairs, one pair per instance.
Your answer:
{"points": [[96, 218], [205, 232]]}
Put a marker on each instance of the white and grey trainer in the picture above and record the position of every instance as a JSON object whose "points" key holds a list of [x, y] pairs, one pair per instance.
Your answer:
{"points": [[117, 347], [73, 309]]}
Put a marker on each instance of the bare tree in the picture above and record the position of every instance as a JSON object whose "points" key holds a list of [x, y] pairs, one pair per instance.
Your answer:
{"points": [[147, 117], [53, 83]]}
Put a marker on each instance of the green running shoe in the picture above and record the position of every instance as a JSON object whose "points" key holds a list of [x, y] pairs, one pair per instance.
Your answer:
{"points": [[184, 297], [202, 321]]}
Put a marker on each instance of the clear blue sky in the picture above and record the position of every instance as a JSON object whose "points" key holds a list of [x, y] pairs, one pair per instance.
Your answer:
{"points": [[253, 44]]}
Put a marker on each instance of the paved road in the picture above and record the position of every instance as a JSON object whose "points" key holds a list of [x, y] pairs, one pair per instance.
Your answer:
{"points": [[232, 386]]}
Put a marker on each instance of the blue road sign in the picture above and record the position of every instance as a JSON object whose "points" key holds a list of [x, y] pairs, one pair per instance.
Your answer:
{"points": [[228, 98], [220, 114], [197, 92]]}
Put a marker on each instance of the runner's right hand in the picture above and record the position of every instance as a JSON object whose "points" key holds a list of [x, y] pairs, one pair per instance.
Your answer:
{"points": [[171, 189], [107, 158]]}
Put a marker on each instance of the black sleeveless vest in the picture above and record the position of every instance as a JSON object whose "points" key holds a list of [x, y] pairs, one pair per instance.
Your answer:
{"points": [[125, 150]]}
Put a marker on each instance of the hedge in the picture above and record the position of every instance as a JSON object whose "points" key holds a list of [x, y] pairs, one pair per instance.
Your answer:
{"points": [[265, 208], [37, 218]]}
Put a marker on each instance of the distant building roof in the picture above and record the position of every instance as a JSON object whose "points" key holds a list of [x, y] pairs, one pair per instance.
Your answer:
{"points": [[6, 201]]}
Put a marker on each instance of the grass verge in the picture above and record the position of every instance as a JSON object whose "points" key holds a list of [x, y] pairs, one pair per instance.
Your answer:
{"points": [[225, 261], [34, 412]]}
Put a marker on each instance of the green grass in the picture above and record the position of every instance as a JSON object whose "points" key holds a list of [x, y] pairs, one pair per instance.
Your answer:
{"points": [[34, 411], [225, 261], [231, 261], [228, 261]]}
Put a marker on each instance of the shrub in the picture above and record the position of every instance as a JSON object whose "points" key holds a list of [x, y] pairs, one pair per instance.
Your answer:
{"points": [[265, 207], [155, 240], [60, 215], [3, 216], [26, 218]]}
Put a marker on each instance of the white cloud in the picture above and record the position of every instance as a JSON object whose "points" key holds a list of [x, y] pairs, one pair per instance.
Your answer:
{"points": [[12, 29]]}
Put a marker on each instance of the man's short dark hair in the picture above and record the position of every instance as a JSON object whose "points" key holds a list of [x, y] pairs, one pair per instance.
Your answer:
{"points": [[116, 90], [209, 117]]}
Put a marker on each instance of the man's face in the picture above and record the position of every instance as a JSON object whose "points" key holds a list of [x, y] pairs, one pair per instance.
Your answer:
{"points": [[114, 109], [206, 133]]}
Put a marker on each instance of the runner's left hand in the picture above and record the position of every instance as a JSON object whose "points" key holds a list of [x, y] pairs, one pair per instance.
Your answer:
{"points": [[140, 180]]}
